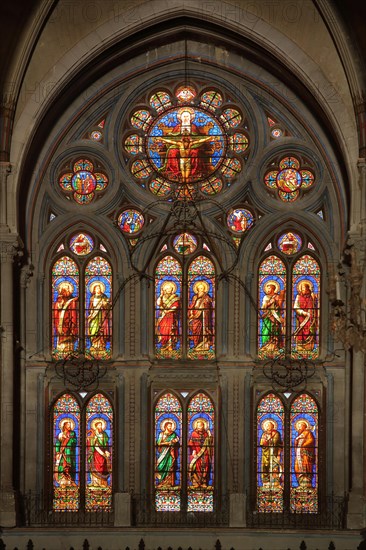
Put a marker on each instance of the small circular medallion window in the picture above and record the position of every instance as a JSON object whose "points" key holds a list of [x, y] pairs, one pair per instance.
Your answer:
{"points": [[186, 145]]}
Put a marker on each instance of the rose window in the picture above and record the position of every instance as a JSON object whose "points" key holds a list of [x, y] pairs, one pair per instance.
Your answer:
{"points": [[186, 145]]}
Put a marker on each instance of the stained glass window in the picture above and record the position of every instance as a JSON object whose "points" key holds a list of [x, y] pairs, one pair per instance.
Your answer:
{"points": [[270, 454], [81, 244], [201, 309], [289, 179], [70, 490], [185, 243], [305, 309], [168, 454], [168, 308], [287, 455], [200, 459], [98, 459], [130, 221], [83, 183], [181, 149], [272, 308], [304, 455], [239, 220], [66, 454], [98, 304], [289, 243], [65, 307]]}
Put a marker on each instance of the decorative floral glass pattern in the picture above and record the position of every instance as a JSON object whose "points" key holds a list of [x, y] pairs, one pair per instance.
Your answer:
{"points": [[201, 454], [160, 101], [305, 309], [168, 454], [83, 183], [289, 180], [304, 455], [270, 454], [65, 307], [211, 100], [201, 309], [133, 144], [272, 308], [99, 447], [168, 309], [98, 311], [66, 454]]}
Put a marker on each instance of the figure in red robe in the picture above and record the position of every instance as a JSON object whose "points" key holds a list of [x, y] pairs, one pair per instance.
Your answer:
{"points": [[306, 310], [200, 315], [65, 318], [304, 454], [200, 446], [167, 324]]}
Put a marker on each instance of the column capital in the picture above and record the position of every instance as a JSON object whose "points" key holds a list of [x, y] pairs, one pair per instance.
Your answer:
{"points": [[9, 249]]}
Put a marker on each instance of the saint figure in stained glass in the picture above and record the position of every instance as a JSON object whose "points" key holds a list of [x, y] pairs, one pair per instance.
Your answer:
{"points": [[271, 444], [200, 316], [167, 450], [304, 453], [306, 310], [65, 317], [98, 318], [65, 447], [272, 315], [98, 453], [98, 458], [201, 449]]}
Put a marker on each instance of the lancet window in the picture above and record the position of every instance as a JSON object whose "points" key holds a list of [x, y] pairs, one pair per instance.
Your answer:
{"points": [[82, 453], [287, 454], [184, 456]]}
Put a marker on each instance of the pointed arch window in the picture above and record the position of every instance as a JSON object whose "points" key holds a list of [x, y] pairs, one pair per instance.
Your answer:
{"points": [[185, 313], [287, 455], [289, 312], [184, 457], [81, 306], [82, 456]]}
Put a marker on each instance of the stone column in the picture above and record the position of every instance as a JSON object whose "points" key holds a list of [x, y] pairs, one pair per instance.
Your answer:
{"points": [[8, 249], [5, 170]]}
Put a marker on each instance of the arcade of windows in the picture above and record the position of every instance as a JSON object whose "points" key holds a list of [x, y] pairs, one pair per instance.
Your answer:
{"points": [[189, 144]]}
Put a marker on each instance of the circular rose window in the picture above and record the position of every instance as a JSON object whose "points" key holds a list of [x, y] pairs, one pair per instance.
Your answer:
{"points": [[186, 145]]}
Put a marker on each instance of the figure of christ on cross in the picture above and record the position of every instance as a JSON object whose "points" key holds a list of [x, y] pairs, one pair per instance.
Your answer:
{"points": [[188, 148]]}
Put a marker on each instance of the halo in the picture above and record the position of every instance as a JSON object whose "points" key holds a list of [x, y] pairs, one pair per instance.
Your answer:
{"points": [[166, 421], [171, 283], [183, 109], [204, 420], [204, 283], [274, 283], [63, 420], [265, 422], [302, 421], [96, 421], [94, 284], [310, 283], [64, 284]]}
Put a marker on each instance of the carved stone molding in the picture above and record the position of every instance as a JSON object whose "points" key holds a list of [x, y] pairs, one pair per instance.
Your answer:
{"points": [[25, 275]]}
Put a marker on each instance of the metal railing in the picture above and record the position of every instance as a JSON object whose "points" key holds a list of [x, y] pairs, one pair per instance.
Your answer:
{"points": [[35, 509], [331, 515], [145, 514]]}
